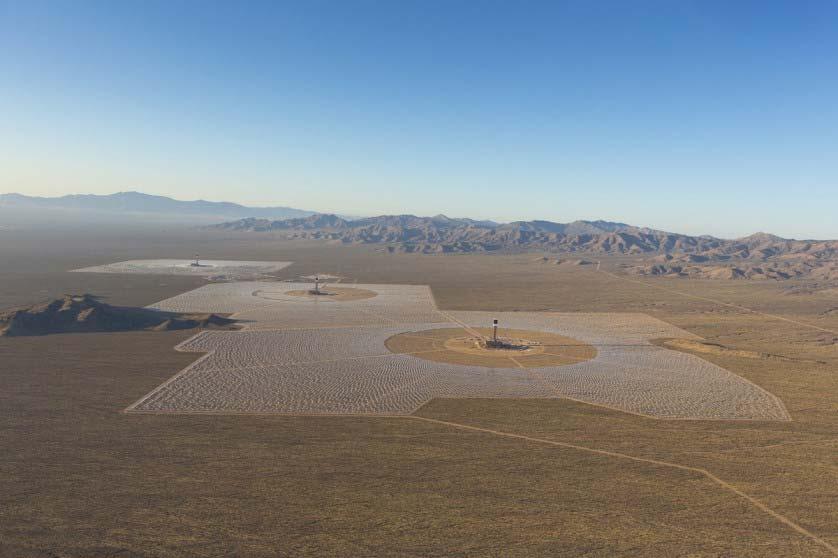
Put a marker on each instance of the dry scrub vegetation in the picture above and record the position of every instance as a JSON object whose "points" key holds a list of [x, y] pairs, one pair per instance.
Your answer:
{"points": [[80, 479]]}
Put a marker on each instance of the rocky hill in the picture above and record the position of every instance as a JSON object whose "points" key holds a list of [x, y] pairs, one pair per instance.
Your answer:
{"points": [[759, 256], [84, 313]]}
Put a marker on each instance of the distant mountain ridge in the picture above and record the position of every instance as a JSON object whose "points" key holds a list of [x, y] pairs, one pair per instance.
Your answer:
{"points": [[138, 202], [656, 252]]}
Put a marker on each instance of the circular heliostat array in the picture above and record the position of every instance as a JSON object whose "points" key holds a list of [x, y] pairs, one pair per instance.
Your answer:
{"points": [[474, 347], [332, 293]]}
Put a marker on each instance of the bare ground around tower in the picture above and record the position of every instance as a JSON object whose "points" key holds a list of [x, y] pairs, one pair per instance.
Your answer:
{"points": [[328, 293], [527, 349]]}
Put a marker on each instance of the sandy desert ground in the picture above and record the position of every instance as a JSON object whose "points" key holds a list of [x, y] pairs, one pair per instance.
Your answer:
{"points": [[473, 476]]}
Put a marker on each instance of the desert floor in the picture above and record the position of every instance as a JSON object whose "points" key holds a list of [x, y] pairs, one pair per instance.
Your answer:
{"points": [[512, 477]]}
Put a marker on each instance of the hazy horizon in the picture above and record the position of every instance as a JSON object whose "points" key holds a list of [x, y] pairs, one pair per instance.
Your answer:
{"points": [[169, 218], [704, 118]]}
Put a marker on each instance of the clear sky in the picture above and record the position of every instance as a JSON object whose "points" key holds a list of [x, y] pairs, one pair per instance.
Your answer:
{"points": [[717, 117]]}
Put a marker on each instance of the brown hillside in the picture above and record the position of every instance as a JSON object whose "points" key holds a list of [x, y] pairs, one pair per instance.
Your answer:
{"points": [[84, 313]]}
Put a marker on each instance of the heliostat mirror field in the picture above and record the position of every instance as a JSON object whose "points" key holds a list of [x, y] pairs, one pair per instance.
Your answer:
{"points": [[316, 355]]}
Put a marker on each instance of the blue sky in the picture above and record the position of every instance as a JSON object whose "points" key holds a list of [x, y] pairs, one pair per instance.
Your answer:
{"points": [[698, 117]]}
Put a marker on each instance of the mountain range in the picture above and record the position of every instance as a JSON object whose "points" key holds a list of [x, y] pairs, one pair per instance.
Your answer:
{"points": [[409, 233], [758, 256], [652, 252]]}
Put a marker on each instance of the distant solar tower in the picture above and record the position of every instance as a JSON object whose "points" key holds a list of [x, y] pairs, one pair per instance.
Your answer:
{"points": [[316, 284], [495, 331], [196, 263]]}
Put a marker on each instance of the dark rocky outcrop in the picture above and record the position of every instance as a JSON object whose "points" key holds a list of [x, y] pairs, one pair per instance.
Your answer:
{"points": [[85, 313]]}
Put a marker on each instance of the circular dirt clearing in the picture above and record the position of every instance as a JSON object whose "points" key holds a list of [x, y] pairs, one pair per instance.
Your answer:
{"points": [[517, 348], [333, 293]]}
